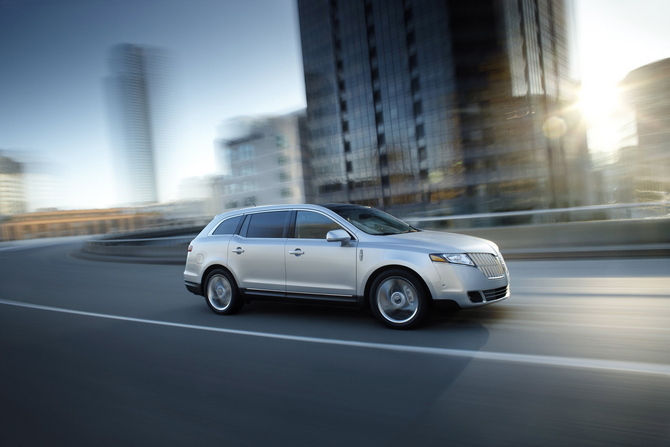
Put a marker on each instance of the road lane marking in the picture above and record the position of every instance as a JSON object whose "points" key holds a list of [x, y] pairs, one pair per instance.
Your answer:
{"points": [[542, 360]]}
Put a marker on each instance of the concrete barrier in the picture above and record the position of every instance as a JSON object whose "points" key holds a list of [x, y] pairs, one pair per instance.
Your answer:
{"points": [[161, 247], [144, 248]]}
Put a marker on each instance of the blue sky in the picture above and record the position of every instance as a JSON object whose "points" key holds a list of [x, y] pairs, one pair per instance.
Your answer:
{"points": [[229, 58]]}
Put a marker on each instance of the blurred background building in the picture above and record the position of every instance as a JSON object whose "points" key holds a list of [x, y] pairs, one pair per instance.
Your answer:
{"points": [[464, 106], [58, 223], [267, 163], [136, 92], [12, 187], [646, 94]]}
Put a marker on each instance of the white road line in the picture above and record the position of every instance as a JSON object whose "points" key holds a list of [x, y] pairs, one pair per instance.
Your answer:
{"points": [[567, 362]]}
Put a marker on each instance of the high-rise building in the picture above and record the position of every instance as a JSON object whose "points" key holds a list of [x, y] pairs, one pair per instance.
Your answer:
{"points": [[646, 92], [12, 187], [267, 163], [135, 91], [457, 105]]}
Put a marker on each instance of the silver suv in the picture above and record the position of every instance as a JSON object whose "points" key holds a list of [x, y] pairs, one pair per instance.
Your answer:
{"points": [[347, 254]]}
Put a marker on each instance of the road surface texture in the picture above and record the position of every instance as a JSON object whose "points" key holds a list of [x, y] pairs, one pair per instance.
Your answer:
{"points": [[109, 353]]}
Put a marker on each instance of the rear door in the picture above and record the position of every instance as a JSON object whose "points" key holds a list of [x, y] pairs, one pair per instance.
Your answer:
{"points": [[256, 255]]}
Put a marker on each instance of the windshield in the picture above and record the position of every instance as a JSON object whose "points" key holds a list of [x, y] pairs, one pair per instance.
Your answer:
{"points": [[371, 220]]}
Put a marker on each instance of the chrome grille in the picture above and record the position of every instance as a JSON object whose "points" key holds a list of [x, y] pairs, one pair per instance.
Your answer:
{"points": [[490, 265]]}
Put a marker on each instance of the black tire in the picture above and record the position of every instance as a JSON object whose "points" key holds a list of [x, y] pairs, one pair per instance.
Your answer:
{"points": [[398, 299], [221, 293]]}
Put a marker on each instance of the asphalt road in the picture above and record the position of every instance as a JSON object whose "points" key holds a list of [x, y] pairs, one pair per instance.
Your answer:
{"points": [[102, 353]]}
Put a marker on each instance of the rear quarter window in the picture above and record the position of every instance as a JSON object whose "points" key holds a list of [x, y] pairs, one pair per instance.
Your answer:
{"points": [[228, 226]]}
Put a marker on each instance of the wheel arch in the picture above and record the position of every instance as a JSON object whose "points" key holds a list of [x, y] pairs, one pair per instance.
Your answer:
{"points": [[209, 270], [381, 270]]}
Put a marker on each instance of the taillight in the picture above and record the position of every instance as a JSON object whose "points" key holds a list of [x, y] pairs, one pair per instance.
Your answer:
{"points": [[190, 248]]}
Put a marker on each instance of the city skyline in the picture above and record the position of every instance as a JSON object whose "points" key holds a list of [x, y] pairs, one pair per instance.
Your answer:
{"points": [[231, 59], [53, 104]]}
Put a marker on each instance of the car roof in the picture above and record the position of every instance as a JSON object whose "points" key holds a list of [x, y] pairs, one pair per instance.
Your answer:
{"points": [[329, 207], [263, 208], [342, 206]]}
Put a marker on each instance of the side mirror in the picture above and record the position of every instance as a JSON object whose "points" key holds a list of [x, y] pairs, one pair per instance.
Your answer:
{"points": [[338, 236]]}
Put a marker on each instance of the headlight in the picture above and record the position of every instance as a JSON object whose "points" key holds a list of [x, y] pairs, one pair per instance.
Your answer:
{"points": [[453, 258]]}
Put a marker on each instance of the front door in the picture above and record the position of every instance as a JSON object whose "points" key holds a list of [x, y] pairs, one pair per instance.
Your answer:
{"points": [[315, 266]]}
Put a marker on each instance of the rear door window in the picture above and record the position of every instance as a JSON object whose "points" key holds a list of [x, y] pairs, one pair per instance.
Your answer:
{"points": [[267, 225]]}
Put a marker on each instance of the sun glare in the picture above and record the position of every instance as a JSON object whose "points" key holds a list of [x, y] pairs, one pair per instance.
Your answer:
{"points": [[602, 111], [599, 102]]}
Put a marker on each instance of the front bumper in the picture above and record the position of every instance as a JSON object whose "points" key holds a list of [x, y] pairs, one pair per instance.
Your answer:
{"points": [[468, 287]]}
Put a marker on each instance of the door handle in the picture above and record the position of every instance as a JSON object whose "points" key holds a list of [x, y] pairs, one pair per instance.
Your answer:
{"points": [[238, 250], [296, 252]]}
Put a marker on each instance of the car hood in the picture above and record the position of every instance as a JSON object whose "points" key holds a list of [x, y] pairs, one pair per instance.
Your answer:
{"points": [[442, 242]]}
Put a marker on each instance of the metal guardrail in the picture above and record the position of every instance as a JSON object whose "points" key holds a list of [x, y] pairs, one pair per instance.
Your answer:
{"points": [[647, 210]]}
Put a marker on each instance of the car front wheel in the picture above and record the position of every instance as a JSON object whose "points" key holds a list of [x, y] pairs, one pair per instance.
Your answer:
{"points": [[221, 293], [398, 299]]}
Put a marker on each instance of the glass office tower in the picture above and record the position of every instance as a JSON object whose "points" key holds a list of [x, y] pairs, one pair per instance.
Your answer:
{"points": [[135, 99], [450, 105]]}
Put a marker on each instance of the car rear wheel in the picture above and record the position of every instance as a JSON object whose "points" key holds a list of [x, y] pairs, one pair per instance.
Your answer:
{"points": [[221, 293], [398, 299]]}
